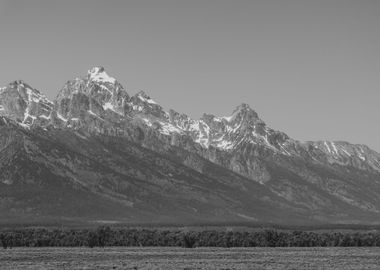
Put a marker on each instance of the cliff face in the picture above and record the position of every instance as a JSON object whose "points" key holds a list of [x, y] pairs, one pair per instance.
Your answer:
{"points": [[96, 153]]}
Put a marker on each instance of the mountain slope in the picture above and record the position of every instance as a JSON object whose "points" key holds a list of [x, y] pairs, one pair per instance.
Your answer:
{"points": [[106, 155], [133, 181]]}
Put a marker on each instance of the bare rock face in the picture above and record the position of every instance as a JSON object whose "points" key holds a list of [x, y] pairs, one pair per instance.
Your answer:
{"points": [[96, 94], [26, 105], [96, 119], [141, 102], [99, 86]]}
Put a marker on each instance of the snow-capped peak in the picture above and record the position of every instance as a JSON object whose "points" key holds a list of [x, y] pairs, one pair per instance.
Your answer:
{"points": [[98, 74]]}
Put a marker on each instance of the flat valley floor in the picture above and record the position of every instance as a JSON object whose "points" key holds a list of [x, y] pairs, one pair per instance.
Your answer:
{"points": [[198, 258]]}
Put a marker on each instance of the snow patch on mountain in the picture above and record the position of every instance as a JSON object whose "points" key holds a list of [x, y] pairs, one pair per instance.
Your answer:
{"points": [[224, 144], [146, 99], [94, 114], [36, 104], [147, 121], [137, 108], [168, 129], [98, 74], [44, 116], [61, 117], [227, 118], [111, 107]]}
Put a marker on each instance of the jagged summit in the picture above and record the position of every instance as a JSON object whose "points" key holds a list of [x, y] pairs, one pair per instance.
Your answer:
{"points": [[91, 98], [242, 107], [143, 94], [17, 82], [145, 97], [24, 104], [96, 70], [98, 74], [20, 85], [242, 111]]}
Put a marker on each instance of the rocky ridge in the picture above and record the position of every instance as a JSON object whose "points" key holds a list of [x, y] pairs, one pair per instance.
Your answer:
{"points": [[310, 175]]}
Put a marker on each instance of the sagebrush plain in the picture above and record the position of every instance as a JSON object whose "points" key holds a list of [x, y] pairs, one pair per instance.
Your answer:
{"points": [[351, 258]]}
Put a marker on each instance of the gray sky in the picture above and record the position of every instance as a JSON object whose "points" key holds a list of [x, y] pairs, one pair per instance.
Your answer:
{"points": [[309, 68]]}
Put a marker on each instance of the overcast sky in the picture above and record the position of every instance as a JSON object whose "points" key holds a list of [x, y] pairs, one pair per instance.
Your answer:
{"points": [[309, 68]]}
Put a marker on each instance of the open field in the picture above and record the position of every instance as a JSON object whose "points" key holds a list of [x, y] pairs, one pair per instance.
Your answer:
{"points": [[199, 258]]}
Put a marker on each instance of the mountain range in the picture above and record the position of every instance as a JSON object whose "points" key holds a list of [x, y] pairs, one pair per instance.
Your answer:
{"points": [[96, 154]]}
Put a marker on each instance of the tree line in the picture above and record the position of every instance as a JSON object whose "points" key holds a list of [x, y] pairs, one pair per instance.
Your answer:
{"points": [[107, 236]]}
